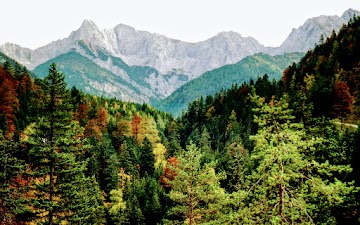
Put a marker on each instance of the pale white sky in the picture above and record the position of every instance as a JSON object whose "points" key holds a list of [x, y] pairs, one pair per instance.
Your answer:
{"points": [[38, 22]]}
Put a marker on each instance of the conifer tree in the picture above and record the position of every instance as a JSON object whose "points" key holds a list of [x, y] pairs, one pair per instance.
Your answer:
{"points": [[195, 189], [173, 146], [147, 160], [12, 203], [55, 148], [236, 163], [133, 210], [127, 158], [286, 187], [205, 146]]}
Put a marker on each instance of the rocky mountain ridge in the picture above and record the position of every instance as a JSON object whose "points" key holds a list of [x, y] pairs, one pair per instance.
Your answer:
{"points": [[306, 36], [166, 55]]}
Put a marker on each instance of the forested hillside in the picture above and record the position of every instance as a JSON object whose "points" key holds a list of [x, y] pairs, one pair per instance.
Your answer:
{"points": [[250, 68], [263, 152]]}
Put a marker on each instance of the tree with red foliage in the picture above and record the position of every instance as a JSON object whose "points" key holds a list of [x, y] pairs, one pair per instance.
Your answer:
{"points": [[9, 103], [343, 100], [169, 173], [81, 115]]}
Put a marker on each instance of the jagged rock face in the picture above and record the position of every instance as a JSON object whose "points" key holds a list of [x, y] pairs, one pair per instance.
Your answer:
{"points": [[308, 35]]}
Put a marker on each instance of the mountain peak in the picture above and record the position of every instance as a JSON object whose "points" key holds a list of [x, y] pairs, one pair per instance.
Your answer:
{"points": [[228, 34], [349, 14], [122, 26], [88, 26], [308, 35], [86, 31]]}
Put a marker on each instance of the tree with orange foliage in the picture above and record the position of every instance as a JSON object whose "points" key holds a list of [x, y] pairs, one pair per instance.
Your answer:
{"points": [[102, 118], [137, 128], [121, 131], [95, 127], [93, 130]]}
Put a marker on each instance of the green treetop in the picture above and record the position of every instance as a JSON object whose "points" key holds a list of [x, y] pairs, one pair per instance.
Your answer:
{"points": [[195, 189]]}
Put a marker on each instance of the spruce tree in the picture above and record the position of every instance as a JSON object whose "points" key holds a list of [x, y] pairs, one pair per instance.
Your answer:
{"points": [[55, 149]]}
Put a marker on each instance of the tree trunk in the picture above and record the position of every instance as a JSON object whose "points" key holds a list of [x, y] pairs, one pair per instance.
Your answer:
{"points": [[281, 195], [191, 216], [52, 165], [281, 201]]}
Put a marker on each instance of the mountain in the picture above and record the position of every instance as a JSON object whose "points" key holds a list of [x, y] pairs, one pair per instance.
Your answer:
{"points": [[164, 54], [152, 65], [224, 77], [143, 48], [306, 36]]}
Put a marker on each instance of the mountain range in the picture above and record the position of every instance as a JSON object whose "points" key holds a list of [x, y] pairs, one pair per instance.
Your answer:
{"points": [[140, 66]]}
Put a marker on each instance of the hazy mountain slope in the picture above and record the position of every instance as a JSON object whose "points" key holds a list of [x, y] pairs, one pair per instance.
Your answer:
{"points": [[79, 72], [102, 74], [224, 77]]}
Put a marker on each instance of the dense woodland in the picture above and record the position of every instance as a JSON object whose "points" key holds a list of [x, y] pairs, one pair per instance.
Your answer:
{"points": [[263, 152]]}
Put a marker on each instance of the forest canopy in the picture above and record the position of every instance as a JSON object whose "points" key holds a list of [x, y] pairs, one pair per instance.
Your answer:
{"points": [[264, 152]]}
